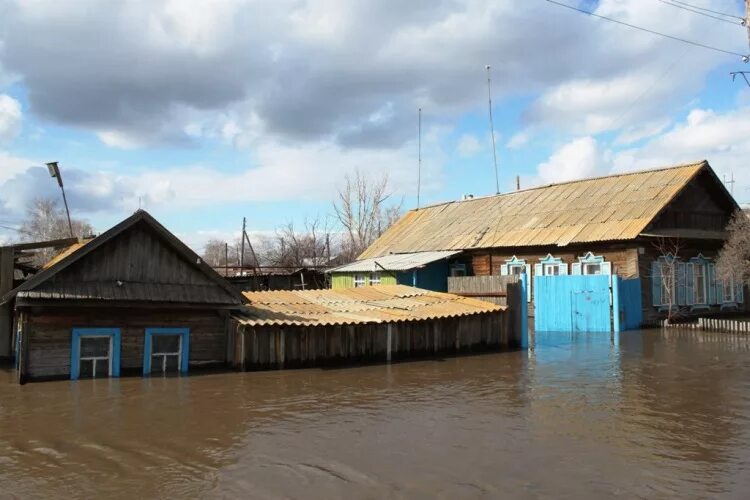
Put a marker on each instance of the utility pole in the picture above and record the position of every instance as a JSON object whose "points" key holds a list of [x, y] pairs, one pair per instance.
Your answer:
{"points": [[492, 130], [242, 248], [226, 259], [419, 171]]}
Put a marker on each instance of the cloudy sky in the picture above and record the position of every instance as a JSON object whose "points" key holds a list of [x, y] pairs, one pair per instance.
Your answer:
{"points": [[204, 112]]}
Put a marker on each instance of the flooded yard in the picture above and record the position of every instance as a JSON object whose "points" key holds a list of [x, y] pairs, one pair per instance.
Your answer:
{"points": [[649, 414]]}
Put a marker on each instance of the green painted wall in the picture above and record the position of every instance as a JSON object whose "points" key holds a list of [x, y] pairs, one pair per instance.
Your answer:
{"points": [[346, 280]]}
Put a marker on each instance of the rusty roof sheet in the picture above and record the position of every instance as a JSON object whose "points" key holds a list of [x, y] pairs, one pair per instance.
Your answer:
{"points": [[372, 304], [617, 207]]}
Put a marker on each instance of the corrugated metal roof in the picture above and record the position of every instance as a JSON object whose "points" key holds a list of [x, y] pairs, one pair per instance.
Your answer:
{"points": [[395, 262], [372, 304], [617, 207]]}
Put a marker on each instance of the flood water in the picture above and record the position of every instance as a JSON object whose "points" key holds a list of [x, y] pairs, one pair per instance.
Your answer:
{"points": [[647, 414]]}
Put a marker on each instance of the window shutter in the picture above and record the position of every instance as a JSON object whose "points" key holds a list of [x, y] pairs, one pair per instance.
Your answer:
{"points": [[681, 284], [538, 270], [711, 280], [689, 290], [563, 269], [739, 293], [576, 268], [528, 282], [504, 270], [607, 268], [655, 284]]}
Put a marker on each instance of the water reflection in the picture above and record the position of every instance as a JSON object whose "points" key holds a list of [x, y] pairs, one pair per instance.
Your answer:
{"points": [[638, 414]]}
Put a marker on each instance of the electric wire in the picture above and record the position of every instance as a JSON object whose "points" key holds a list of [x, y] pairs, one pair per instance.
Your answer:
{"points": [[707, 10], [653, 32], [739, 22]]}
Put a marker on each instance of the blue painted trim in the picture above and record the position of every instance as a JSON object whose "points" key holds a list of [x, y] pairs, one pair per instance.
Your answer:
{"points": [[617, 327], [185, 355], [93, 332], [590, 258], [414, 278], [549, 259], [516, 260], [524, 313]]}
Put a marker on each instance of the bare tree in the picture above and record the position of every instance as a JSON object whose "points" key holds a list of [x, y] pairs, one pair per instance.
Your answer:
{"points": [[46, 220], [294, 248], [217, 253], [734, 257], [362, 211], [668, 273]]}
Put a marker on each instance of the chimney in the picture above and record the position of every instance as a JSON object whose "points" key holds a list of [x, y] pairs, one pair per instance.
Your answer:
{"points": [[518, 183]]}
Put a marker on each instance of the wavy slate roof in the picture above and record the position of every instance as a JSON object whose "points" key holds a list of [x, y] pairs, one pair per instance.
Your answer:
{"points": [[372, 304], [394, 262], [616, 207]]}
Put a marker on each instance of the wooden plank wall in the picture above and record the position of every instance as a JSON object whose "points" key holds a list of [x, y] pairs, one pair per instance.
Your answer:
{"points": [[6, 310], [474, 286], [270, 347], [624, 258], [49, 333]]}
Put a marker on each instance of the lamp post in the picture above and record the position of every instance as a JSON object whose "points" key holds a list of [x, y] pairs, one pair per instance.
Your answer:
{"points": [[54, 171]]}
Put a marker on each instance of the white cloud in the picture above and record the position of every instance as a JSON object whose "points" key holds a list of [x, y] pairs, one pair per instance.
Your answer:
{"points": [[468, 145], [518, 140], [577, 159], [11, 165], [10, 118]]}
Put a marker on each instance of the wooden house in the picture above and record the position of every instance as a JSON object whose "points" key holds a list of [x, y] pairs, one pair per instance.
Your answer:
{"points": [[664, 226], [132, 300], [423, 269]]}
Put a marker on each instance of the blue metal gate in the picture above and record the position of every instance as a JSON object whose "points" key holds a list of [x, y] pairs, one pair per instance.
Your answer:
{"points": [[585, 303]]}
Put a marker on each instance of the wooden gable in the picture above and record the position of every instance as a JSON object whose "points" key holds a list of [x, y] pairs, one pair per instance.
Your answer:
{"points": [[702, 205], [139, 261]]}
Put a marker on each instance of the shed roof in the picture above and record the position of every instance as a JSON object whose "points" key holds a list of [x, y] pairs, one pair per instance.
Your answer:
{"points": [[372, 304], [211, 289], [395, 262], [616, 207]]}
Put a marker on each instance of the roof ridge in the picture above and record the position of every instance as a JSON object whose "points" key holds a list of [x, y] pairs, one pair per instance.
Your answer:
{"points": [[563, 183]]}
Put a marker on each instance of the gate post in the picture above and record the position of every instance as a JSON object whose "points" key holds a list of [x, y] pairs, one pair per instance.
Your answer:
{"points": [[615, 280], [524, 312]]}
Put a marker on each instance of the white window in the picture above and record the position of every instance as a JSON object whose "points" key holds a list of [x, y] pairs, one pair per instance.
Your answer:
{"points": [[667, 275], [728, 289], [359, 280], [166, 352], [592, 268], [516, 269], [458, 269], [375, 278], [551, 270], [95, 359], [700, 295]]}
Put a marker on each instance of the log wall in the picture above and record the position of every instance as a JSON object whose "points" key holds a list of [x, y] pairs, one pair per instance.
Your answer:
{"points": [[47, 336]]}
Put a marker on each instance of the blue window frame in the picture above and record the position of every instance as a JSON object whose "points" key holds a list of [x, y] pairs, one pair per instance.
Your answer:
{"points": [[183, 353], [113, 356]]}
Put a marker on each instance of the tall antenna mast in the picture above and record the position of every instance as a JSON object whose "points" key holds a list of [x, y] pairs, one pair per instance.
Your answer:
{"points": [[419, 171], [492, 130]]}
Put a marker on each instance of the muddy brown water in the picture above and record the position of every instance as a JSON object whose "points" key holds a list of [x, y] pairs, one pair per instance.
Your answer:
{"points": [[647, 414]]}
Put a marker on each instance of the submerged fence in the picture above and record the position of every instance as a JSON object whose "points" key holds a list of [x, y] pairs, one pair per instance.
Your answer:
{"points": [[714, 325], [488, 288]]}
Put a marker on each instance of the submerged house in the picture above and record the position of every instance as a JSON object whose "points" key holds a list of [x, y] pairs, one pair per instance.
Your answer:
{"points": [[424, 270], [132, 300], [664, 226]]}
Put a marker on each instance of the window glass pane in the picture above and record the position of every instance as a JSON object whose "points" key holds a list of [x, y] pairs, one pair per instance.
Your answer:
{"points": [[95, 346], [516, 269], [593, 269], [102, 368], [86, 369], [164, 364], [699, 284], [165, 343]]}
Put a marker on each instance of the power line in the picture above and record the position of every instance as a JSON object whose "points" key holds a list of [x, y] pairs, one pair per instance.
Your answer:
{"points": [[492, 130], [15, 229], [707, 10], [734, 20], [745, 57]]}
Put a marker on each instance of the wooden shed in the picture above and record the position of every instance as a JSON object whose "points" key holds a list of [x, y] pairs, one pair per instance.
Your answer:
{"points": [[382, 323], [135, 300]]}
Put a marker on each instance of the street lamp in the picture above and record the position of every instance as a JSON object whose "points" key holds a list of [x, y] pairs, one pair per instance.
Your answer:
{"points": [[54, 171]]}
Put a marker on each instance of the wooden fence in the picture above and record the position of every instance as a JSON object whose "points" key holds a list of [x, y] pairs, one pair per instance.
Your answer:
{"points": [[713, 325], [291, 346], [492, 288]]}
